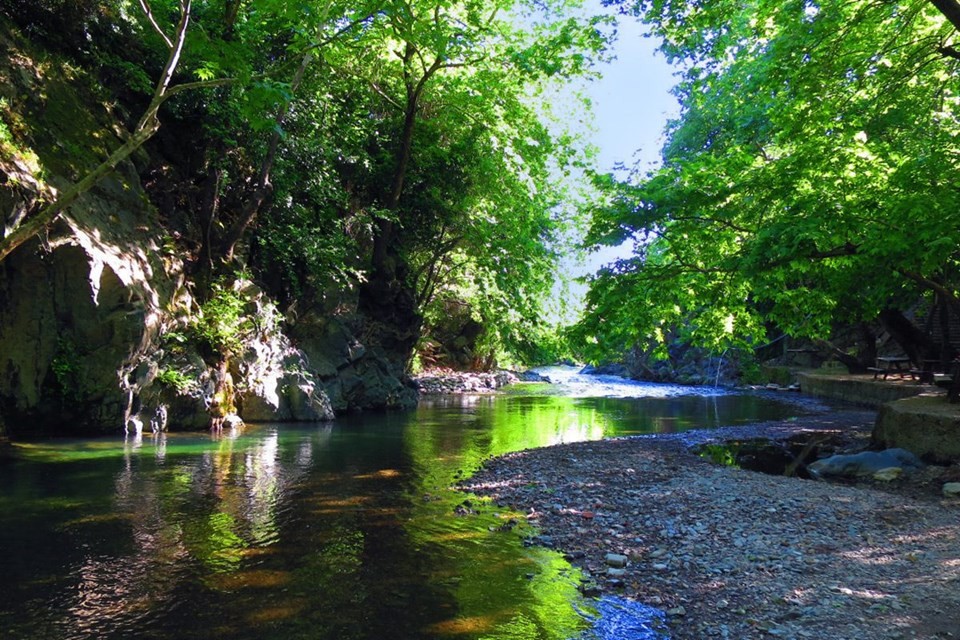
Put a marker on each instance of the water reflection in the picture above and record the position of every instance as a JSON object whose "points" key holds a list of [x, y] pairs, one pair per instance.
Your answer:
{"points": [[279, 531]]}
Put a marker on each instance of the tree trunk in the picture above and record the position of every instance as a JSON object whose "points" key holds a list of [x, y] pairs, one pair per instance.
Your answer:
{"points": [[852, 363], [946, 347], [950, 9], [916, 344], [262, 188]]}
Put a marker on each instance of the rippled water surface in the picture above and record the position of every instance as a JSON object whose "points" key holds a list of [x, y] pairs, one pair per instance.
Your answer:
{"points": [[341, 531]]}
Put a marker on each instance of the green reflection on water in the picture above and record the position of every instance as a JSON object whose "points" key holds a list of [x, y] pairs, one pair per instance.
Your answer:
{"points": [[218, 545], [311, 532]]}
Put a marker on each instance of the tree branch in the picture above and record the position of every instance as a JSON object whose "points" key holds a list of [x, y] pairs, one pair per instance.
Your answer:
{"points": [[948, 295], [148, 125], [949, 52], [199, 84], [263, 188], [156, 27]]}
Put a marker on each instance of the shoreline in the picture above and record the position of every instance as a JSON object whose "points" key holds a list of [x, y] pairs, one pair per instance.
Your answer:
{"points": [[728, 553]]}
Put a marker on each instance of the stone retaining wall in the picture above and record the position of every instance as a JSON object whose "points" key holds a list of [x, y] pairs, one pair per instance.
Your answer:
{"points": [[927, 426], [861, 390]]}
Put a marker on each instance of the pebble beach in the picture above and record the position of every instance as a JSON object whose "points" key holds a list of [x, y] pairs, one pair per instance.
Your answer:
{"points": [[730, 553]]}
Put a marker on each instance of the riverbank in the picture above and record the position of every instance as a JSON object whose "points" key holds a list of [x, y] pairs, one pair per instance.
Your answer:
{"points": [[446, 381], [440, 381], [729, 553]]}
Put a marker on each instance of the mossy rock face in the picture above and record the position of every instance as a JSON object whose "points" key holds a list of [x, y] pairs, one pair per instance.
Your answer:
{"points": [[65, 331], [54, 109], [927, 426]]}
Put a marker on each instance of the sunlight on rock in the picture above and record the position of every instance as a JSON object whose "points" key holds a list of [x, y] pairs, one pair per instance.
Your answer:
{"points": [[866, 594], [872, 556], [462, 626]]}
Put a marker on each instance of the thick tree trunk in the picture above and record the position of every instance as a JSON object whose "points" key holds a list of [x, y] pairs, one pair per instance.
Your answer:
{"points": [[853, 364], [950, 9], [947, 352], [388, 299], [916, 344]]}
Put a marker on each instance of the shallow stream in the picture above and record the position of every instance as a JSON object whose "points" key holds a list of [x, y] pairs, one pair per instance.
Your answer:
{"points": [[344, 531]]}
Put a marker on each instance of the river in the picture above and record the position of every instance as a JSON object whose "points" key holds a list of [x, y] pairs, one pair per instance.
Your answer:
{"points": [[343, 531]]}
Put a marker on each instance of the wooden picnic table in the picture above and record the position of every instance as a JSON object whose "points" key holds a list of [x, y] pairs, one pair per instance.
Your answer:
{"points": [[887, 365]]}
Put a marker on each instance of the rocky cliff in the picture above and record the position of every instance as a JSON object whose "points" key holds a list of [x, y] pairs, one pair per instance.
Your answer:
{"points": [[100, 329]]}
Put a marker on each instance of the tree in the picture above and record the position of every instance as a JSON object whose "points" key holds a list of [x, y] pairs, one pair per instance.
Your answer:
{"points": [[808, 181], [392, 150], [146, 127], [454, 141]]}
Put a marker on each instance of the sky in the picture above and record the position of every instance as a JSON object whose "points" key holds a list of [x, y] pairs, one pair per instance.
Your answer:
{"points": [[632, 103]]}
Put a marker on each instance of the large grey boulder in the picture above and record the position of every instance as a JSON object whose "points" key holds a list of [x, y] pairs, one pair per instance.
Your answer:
{"points": [[354, 375], [865, 463], [274, 379]]}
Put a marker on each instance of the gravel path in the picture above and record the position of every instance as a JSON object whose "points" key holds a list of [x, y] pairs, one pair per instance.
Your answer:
{"points": [[736, 554]]}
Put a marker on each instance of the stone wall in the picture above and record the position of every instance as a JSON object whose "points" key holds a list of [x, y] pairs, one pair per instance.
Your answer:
{"points": [[859, 390], [927, 426]]}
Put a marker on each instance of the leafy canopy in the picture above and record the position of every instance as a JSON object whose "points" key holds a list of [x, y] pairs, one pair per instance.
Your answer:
{"points": [[809, 180]]}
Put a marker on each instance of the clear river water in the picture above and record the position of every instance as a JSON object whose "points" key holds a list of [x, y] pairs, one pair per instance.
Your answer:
{"points": [[342, 531]]}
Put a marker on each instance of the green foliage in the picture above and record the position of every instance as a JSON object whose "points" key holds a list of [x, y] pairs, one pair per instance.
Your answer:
{"points": [[804, 184], [723, 454], [131, 74], [6, 136], [223, 323], [175, 379], [67, 370], [350, 117], [475, 217], [175, 340]]}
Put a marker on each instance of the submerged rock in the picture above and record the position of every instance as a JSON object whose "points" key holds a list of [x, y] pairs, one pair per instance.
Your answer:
{"points": [[609, 369], [532, 376]]}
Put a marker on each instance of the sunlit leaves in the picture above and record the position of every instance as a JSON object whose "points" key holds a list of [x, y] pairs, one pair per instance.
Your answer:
{"points": [[809, 181]]}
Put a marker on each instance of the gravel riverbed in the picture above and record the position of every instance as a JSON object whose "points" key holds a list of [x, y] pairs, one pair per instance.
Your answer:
{"points": [[729, 553]]}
